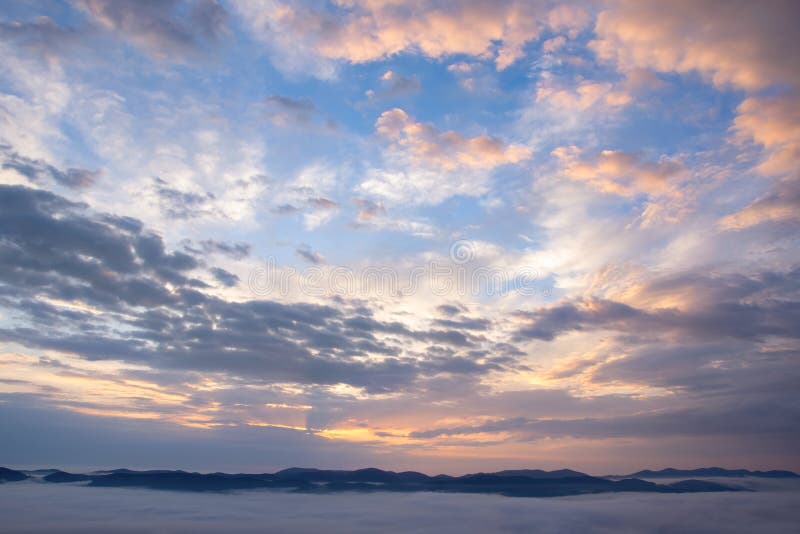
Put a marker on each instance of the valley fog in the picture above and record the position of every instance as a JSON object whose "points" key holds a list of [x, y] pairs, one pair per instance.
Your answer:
{"points": [[33, 506]]}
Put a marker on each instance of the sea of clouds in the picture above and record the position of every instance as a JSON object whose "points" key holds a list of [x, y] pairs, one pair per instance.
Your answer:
{"points": [[34, 506]]}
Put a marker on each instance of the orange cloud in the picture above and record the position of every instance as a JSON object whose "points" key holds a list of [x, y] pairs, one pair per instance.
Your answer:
{"points": [[368, 30], [583, 96], [621, 173], [746, 45], [779, 204], [424, 145], [773, 122]]}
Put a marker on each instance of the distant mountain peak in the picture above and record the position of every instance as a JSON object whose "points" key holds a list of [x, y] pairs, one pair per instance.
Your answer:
{"points": [[671, 472], [512, 482], [11, 475]]}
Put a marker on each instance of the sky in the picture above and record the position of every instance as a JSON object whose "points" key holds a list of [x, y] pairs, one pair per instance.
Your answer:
{"points": [[430, 235]]}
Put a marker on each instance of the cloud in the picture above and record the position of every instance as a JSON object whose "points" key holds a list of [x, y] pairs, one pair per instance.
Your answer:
{"points": [[236, 251], [774, 123], [475, 76], [295, 112], [621, 173], [581, 96], [171, 30], [428, 165], [745, 46], [42, 36], [424, 145], [373, 214], [39, 172], [368, 209], [748, 308], [310, 256], [308, 194], [55, 249], [654, 425], [224, 277], [781, 203], [364, 31], [393, 85], [449, 309], [553, 44], [143, 323], [178, 204]]}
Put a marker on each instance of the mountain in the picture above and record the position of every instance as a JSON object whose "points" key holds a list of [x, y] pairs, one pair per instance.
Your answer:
{"points": [[10, 475], [518, 483], [699, 486], [708, 472], [39, 472], [512, 482], [369, 474], [62, 476], [538, 473], [183, 481]]}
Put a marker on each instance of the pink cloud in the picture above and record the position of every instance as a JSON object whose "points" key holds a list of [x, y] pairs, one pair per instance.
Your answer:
{"points": [[427, 146], [621, 173]]}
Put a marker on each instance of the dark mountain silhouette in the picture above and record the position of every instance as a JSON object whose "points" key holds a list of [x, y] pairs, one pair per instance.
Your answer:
{"points": [[38, 472], [183, 481], [708, 472], [518, 483], [131, 471], [9, 475], [538, 473], [369, 474], [698, 486], [62, 476]]}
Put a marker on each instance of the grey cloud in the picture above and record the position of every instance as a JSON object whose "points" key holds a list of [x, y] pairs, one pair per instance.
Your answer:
{"points": [[237, 251], [466, 323], [91, 441], [298, 105], [177, 204], [38, 171], [322, 203], [727, 319], [286, 209], [290, 111], [224, 277], [450, 337], [393, 85], [450, 309], [312, 257], [758, 418], [209, 17], [285, 110], [54, 248], [161, 26], [734, 368], [306, 201], [42, 36], [369, 209]]}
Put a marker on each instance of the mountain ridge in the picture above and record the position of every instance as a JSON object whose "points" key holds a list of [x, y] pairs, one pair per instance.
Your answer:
{"points": [[671, 472], [515, 482]]}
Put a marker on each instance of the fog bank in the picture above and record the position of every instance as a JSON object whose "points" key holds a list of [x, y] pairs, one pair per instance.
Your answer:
{"points": [[34, 506]]}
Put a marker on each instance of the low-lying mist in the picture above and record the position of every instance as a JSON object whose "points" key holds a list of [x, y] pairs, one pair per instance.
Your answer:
{"points": [[33, 506]]}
